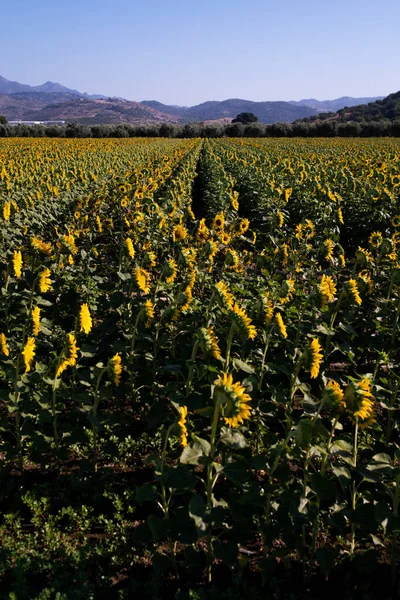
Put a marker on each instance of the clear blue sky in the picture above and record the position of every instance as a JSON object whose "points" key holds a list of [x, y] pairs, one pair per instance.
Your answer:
{"points": [[188, 51]]}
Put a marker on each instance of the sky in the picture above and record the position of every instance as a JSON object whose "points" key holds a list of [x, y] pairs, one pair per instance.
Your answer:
{"points": [[189, 51]]}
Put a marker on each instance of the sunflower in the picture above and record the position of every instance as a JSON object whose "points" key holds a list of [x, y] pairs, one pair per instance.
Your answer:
{"points": [[280, 218], [17, 263], [244, 225], [142, 279], [233, 400], [219, 221], [359, 402], [363, 256], [333, 395], [327, 290], [225, 297], [396, 221], [375, 239], [179, 233], [70, 354], [43, 247], [281, 325], [329, 249], [267, 308], [129, 247], [44, 281], [115, 368], [340, 215], [171, 270], [3, 344], [149, 312], [124, 202], [243, 322], [36, 321], [182, 425], [314, 358], [28, 353], [85, 319], [352, 291], [286, 291], [6, 210], [210, 341]]}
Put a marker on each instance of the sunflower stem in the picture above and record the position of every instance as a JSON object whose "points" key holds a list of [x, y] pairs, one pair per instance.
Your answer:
{"points": [[210, 484], [228, 345], [354, 491]]}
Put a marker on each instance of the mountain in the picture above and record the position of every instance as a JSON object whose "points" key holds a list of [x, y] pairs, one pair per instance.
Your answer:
{"points": [[267, 112], [387, 108], [67, 107], [13, 87], [334, 105]]}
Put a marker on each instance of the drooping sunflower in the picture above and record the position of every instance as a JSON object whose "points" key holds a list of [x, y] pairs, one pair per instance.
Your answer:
{"points": [[171, 270], [115, 368], [129, 247], [28, 353], [224, 295], [281, 325], [183, 432], [85, 319], [243, 322], [44, 281], [142, 279], [314, 358], [233, 400], [333, 396], [360, 402], [352, 291], [329, 249], [17, 263], [41, 246], [36, 321], [149, 312], [210, 341], [70, 355], [3, 345], [327, 290]]}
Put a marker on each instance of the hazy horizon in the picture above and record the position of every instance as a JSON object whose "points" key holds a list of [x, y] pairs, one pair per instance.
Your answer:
{"points": [[185, 53]]}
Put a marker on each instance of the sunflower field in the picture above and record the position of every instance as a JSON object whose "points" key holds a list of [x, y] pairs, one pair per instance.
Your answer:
{"points": [[199, 368]]}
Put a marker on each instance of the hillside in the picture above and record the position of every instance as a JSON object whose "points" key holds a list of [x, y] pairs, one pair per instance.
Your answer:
{"points": [[267, 112], [85, 111], [380, 110], [334, 105]]}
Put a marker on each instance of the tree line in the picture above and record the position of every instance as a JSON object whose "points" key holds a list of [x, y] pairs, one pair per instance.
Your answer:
{"points": [[381, 128]]}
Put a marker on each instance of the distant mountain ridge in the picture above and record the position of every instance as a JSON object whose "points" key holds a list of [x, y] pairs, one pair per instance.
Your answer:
{"points": [[387, 108], [13, 87], [53, 101], [334, 105]]}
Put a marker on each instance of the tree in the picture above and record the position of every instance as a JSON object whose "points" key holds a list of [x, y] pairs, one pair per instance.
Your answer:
{"points": [[245, 118], [3, 120]]}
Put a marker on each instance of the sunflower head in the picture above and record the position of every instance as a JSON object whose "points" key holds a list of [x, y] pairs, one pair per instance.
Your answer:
{"points": [[233, 400], [142, 279], [359, 402]]}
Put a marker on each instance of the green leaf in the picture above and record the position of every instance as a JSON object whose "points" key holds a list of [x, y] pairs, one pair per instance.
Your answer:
{"points": [[196, 452], [146, 493], [197, 511], [233, 438], [241, 365]]}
